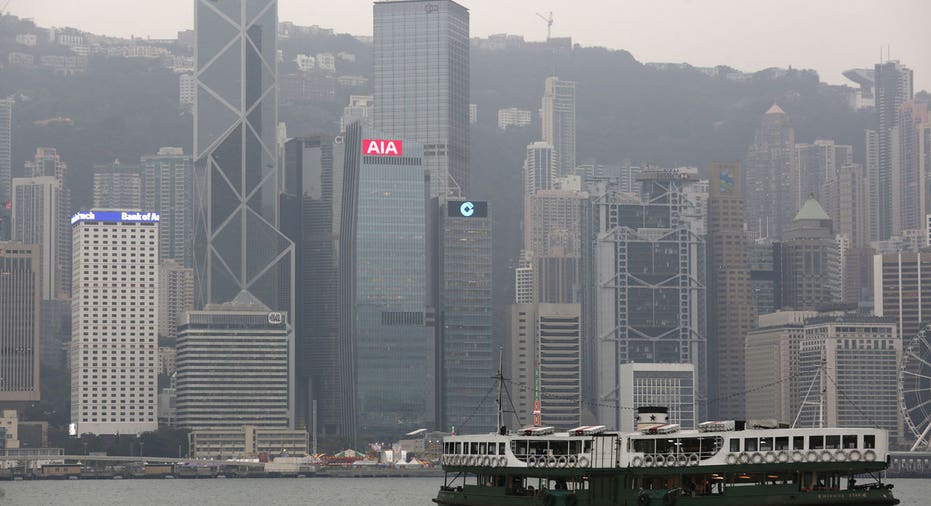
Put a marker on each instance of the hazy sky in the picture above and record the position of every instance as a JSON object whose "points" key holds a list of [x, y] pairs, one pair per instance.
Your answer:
{"points": [[826, 35]]}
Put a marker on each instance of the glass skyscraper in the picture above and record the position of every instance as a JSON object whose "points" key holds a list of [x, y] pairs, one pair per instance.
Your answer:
{"points": [[421, 55], [237, 245], [166, 182], [394, 325]]}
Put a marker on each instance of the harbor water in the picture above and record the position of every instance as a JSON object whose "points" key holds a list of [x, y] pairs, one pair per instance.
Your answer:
{"points": [[278, 492]]}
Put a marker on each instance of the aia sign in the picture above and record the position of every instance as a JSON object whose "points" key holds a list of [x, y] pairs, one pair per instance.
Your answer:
{"points": [[381, 147]]}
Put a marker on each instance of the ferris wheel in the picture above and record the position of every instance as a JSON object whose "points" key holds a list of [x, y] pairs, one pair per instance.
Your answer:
{"points": [[915, 386]]}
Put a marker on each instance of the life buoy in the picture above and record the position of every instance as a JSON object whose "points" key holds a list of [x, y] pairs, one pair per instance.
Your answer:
{"points": [[694, 459], [682, 460], [502, 461], [572, 461], [583, 461], [732, 458], [473, 460], [636, 462], [561, 462], [869, 456], [757, 458], [840, 456], [812, 456], [671, 461], [531, 461], [660, 461], [855, 456], [797, 456], [486, 461], [770, 457], [826, 456], [743, 458], [648, 461], [551, 462], [493, 462]]}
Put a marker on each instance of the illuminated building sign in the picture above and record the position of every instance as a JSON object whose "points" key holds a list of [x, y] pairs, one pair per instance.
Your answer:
{"points": [[467, 209], [382, 147], [727, 181], [275, 318], [118, 216]]}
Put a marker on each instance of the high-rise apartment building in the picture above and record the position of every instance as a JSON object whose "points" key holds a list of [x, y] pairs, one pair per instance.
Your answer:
{"points": [[114, 310], [765, 276], [540, 168], [360, 108], [650, 294], [238, 246], [35, 221], [552, 232], [871, 157], [313, 211], [514, 117], [815, 164], [523, 279], [853, 363], [910, 190], [118, 186], [6, 151], [168, 187], [558, 111], [421, 81], [894, 87], [846, 199], [730, 308], [465, 316], [20, 296], [902, 290], [175, 296], [233, 367], [811, 267], [394, 322], [771, 197], [546, 357], [47, 163]]}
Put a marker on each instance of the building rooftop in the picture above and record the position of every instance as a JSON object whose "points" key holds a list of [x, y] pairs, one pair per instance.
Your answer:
{"points": [[775, 109], [811, 210]]}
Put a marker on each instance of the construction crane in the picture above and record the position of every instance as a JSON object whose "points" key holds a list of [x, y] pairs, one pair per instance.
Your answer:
{"points": [[549, 23]]}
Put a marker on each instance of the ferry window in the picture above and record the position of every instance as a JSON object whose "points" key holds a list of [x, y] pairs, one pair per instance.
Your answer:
{"points": [[766, 444], [481, 448], [458, 447], [735, 445], [750, 444], [575, 447], [815, 442], [538, 447], [643, 445], [869, 441], [474, 449], [782, 443], [798, 443], [588, 446], [833, 442], [850, 441], [500, 448], [491, 448]]}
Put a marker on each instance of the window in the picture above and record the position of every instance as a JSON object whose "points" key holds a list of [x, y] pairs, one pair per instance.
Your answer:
{"points": [[869, 441], [833, 442], [850, 441], [782, 443], [750, 444], [816, 442], [735, 445]]}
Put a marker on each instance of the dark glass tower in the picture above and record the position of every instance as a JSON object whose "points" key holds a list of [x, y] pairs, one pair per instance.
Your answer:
{"points": [[421, 54], [237, 244]]}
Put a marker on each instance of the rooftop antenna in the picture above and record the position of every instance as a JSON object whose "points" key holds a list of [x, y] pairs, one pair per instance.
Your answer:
{"points": [[549, 23]]}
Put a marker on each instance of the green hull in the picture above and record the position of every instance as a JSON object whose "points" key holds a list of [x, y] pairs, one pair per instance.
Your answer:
{"points": [[620, 487]]}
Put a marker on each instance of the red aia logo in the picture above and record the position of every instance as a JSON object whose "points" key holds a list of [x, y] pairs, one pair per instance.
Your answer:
{"points": [[379, 147]]}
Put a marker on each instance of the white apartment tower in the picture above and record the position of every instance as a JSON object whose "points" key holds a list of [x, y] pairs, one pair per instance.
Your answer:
{"points": [[114, 309]]}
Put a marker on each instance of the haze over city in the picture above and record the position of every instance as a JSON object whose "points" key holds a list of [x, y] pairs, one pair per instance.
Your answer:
{"points": [[827, 36]]}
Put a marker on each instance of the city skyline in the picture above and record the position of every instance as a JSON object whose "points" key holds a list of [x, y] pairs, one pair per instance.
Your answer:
{"points": [[642, 27]]}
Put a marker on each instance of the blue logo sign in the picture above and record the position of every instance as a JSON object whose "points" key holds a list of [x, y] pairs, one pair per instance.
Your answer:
{"points": [[466, 209], [119, 216]]}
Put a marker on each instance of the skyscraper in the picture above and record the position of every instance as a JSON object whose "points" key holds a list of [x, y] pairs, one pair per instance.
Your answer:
{"points": [[729, 304], [117, 186], [6, 160], [167, 180], [35, 221], [421, 81], [769, 176], [910, 198], [540, 167], [893, 88], [465, 315], [313, 217], [552, 221], [816, 163], [394, 323], [902, 290], [19, 322], [245, 348], [114, 342], [237, 244], [47, 163], [811, 269], [650, 295], [175, 295], [846, 200], [558, 110]]}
